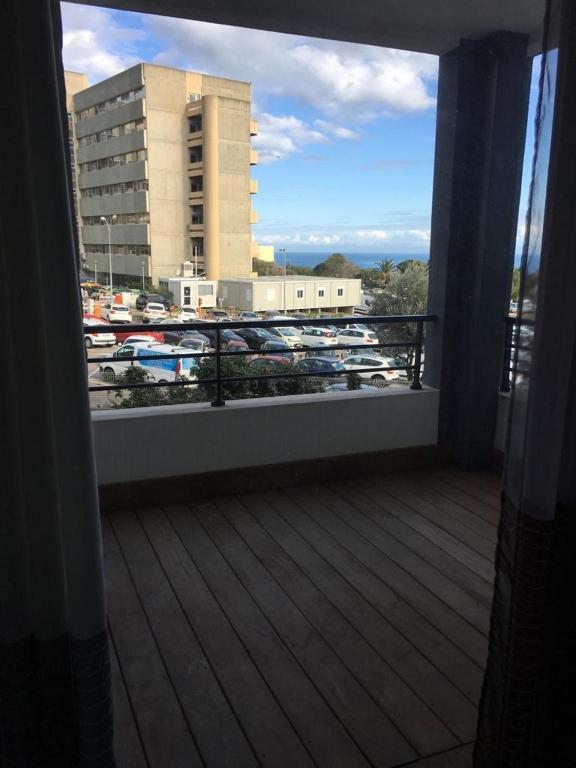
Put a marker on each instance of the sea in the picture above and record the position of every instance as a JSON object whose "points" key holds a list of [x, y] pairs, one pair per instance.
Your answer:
{"points": [[362, 260]]}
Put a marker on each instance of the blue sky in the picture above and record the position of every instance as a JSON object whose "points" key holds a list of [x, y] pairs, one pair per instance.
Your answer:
{"points": [[346, 138]]}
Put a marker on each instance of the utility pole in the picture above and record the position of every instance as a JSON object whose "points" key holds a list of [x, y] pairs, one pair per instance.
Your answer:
{"points": [[105, 221], [283, 252]]}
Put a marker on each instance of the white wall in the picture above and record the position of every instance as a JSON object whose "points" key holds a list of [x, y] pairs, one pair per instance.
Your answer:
{"points": [[169, 441]]}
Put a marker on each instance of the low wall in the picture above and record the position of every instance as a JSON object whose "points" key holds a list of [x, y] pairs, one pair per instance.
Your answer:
{"points": [[174, 441]]}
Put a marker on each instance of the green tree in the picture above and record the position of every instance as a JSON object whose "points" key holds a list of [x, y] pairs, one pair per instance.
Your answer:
{"points": [[385, 267], [336, 265], [402, 266], [406, 293], [265, 268], [515, 294]]}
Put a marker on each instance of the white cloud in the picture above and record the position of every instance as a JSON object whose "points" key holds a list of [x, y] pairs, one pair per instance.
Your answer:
{"points": [[401, 238], [95, 44], [282, 135], [343, 80]]}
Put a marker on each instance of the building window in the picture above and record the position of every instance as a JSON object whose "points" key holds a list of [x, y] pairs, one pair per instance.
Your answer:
{"points": [[197, 184], [117, 250], [340, 291], [195, 155], [195, 123], [110, 104], [321, 293], [116, 189], [121, 218], [208, 289], [299, 294], [113, 161], [112, 133], [187, 291]]}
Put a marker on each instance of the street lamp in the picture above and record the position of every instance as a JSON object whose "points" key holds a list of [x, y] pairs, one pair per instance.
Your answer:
{"points": [[96, 272], [104, 220], [143, 286], [283, 252]]}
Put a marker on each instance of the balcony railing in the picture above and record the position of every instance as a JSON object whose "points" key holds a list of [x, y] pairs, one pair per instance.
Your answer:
{"points": [[516, 346], [412, 368]]}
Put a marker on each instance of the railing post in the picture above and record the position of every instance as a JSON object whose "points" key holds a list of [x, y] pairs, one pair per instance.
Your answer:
{"points": [[219, 401], [505, 383], [417, 358]]}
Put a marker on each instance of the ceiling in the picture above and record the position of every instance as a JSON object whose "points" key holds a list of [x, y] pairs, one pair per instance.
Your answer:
{"points": [[431, 26]]}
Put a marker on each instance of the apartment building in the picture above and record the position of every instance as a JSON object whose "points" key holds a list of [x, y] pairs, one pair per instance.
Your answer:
{"points": [[164, 156], [75, 82]]}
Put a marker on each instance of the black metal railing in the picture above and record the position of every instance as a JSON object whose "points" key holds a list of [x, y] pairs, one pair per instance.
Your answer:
{"points": [[516, 347], [413, 370]]}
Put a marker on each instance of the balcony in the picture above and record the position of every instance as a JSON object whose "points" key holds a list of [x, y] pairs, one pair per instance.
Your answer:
{"points": [[253, 128], [253, 216], [253, 157], [337, 624], [253, 186]]}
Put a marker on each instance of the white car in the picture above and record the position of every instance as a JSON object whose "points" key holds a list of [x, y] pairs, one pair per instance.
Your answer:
{"points": [[318, 337], [120, 360], [289, 336], [359, 364], [154, 312], [116, 313], [355, 337], [96, 339], [187, 314]]}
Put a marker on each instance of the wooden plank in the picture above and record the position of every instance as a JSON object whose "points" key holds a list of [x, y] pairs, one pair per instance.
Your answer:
{"points": [[438, 482], [163, 728], [326, 739], [460, 542], [480, 493], [279, 550], [465, 674], [273, 738], [369, 727], [218, 735], [322, 506], [456, 758], [128, 748], [424, 489], [350, 506]]}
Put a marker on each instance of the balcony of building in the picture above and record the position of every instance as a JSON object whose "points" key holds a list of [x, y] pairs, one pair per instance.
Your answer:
{"points": [[253, 216], [253, 128], [336, 624], [196, 191], [253, 186], [253, 157], [194, 127]]}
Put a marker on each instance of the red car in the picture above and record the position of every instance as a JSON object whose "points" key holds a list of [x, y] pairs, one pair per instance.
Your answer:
{"points": [[121, 336]]}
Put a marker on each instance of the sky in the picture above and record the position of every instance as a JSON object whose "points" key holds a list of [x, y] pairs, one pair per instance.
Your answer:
{"points": [[346, 131]]}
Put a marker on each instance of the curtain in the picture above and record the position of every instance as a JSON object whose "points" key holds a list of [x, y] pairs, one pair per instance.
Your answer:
{"points": [[55, 701], [528, 705]]}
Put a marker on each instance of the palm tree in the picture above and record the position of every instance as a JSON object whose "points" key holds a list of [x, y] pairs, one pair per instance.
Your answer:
{"points": [[386, 267]]}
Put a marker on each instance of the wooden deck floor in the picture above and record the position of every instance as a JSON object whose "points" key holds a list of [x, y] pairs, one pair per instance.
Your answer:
{"points": [[338, 626]]}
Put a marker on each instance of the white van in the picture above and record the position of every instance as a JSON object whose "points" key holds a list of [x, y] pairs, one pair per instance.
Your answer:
{"points": [[170, 368]]}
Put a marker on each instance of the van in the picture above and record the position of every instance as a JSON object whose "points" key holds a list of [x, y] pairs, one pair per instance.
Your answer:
{"points": [[171, 368]]}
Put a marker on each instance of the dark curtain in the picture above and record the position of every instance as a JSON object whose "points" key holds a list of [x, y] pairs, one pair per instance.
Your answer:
{"points": [[55, 702], [528, 707]]}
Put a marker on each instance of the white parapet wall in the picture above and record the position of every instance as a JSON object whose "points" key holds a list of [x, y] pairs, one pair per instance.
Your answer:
{"points": [[171, 441]]}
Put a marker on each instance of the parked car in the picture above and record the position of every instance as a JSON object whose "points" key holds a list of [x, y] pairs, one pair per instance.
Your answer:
{"points": [[288, 335], [255, 337], [96, 339], [170, 369], [358, 364], [317, 337], [218, 314], [355, 337], [154, 312], [342, 386], [195, 342], [187, 314], [279, 348], [123, 336], [248, 316], [147, 298], [268, 364], [228, 339], [116, 313], [321, 364]]}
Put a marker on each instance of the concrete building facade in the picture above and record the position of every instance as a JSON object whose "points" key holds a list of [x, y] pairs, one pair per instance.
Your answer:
{"points": [[298, 293], [165, 156]]}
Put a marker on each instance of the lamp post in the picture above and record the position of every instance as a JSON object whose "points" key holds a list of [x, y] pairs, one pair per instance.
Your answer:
{"points": [[283, 252], [143, 286], [104, 220], [96, 272]]}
